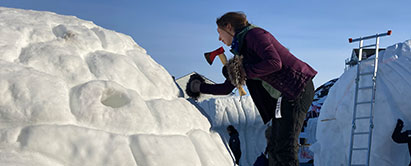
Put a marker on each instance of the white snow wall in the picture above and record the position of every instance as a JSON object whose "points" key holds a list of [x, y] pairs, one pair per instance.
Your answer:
{"points": [[392, 102], [244, 116], [74, 93]]}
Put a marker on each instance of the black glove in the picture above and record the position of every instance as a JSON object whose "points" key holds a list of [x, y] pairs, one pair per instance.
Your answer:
{"points": [[193, 86]]}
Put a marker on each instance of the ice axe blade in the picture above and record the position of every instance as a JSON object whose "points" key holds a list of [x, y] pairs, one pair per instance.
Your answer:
{"points": [[210, 56]]}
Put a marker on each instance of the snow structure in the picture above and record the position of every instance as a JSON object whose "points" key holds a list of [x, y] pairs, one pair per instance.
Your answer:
{"points": [[311, 120], [392, 102], [244, 116], [314, 111], [73, 93], [319, 97]]}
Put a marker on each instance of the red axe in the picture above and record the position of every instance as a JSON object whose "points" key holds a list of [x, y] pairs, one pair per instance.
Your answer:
{"points": [[210, 56]]}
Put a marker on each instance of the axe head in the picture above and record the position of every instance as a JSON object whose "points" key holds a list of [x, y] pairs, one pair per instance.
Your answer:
{"points": [[211, 55]]}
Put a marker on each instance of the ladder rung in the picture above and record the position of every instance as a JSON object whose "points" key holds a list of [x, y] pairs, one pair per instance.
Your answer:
{"points": [[371, 45], [361, 133], [364, 102], [359, 148], [367, 73], [363, 117], [366, 87]]}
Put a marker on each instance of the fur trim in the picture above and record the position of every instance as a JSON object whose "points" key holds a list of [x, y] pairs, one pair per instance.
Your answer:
{"points": [[194, 95], [236, 71]]}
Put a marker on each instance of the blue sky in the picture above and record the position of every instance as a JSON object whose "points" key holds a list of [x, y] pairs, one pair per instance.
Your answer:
{"points": [[177, 33]]}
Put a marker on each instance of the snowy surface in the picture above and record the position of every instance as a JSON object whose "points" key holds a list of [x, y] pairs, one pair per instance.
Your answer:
{"points": [[392, 102], [73, 93], [319, 97], [244, 116]]}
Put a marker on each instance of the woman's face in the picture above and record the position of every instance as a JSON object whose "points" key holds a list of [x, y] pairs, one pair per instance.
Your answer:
{"points": [[226, 35]]}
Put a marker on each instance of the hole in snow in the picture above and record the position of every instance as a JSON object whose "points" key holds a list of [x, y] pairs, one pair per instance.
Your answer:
{"points": [[114, 99], [62, 32]]}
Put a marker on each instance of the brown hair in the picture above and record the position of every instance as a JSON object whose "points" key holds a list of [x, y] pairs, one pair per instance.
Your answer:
{"points": [[238, 20]]}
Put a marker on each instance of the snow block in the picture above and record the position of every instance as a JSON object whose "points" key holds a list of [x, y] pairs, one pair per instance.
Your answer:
{"points": [[74, 146], [204, 143], [177, 116], [170, 150], [105, 105], [25, 98], [65, 62], [21, 158]]}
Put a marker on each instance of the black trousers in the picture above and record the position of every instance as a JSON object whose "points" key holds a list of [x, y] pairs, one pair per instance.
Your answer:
{"points": [[282, 145]]}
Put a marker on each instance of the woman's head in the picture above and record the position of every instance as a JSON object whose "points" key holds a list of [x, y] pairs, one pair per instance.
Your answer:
{"points": [[229, 24]]}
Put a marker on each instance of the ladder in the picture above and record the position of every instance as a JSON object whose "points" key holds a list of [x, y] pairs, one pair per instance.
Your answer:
{"points": [[359, 105]]}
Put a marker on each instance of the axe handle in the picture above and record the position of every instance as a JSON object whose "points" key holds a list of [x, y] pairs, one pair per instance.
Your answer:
{"points": [[240, 88], [223, 58]]}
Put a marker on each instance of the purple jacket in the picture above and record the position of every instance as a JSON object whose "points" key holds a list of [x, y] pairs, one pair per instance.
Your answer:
{"points": [[266, 59]]}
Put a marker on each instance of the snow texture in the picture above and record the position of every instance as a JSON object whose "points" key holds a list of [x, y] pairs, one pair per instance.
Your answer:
{"points": [[392, 102], [73, 93], [319, 97], [244, 116]]}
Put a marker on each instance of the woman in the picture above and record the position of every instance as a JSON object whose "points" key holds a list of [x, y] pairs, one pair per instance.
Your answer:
{"points": [[270, 71]]}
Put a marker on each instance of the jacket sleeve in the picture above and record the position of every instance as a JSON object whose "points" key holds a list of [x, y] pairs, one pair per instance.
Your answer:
{"points": [[262, 44], [217, 89]]}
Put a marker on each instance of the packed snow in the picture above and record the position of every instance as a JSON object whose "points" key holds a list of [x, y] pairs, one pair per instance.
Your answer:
{"points": [[243, 115], [319, 97], [74, 93], [392, 102]]}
